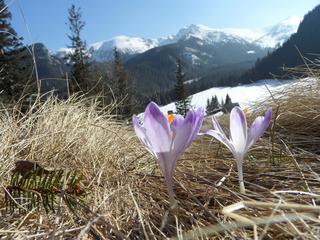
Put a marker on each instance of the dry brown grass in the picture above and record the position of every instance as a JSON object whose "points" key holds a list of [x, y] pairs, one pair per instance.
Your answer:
{"points": [[298, 114], [127, 191]]}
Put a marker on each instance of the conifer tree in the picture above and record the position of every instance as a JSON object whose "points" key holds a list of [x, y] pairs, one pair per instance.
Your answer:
{"points": [[228, 99], [120, 75], [214, 102], [122, 89], [10, 45], [78, 58], [182, 101], [212, 105], [208, 109]]}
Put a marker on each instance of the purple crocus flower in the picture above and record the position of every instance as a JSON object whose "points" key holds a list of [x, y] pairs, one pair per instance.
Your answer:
{"points": [[165, 141], [241, 137]]}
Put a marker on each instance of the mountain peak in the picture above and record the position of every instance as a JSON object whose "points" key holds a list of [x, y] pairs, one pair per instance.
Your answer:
{"points": [[125, 43], [279, 32], [198, 27], [195, 30], [211, 35]]}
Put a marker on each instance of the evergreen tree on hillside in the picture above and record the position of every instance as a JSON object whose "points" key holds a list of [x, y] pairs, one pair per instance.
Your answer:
{"points": [[208, 110], [78, 58], [212, 105], [120, 75], [10, 47], [215, 102], [228, 99], [182, 101], [122, 89]]}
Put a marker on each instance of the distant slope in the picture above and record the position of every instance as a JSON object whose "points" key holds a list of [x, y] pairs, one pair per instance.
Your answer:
{"points": [[306, 41], [200, 49], [48, 66]]}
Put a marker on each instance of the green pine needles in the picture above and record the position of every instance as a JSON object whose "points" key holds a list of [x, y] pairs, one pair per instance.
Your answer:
{"points": [[32, 187]]}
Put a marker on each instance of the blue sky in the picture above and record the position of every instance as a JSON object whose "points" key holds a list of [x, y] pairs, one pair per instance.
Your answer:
{"points": [[104, 19]]}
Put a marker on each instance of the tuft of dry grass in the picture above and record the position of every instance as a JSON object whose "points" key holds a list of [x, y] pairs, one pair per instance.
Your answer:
{"points": [[297, 113], [127, 195]]}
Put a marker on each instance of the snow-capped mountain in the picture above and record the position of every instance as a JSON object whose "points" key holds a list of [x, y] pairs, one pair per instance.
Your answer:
{"points": [[206, 53], [268, 38], [279, 33], [131, 46], [212, 35], [202, 50], [103, 50]]}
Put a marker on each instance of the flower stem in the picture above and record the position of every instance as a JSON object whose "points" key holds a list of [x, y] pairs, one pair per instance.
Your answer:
{"points": [[242, 188], [169, 182], [240, 175]]}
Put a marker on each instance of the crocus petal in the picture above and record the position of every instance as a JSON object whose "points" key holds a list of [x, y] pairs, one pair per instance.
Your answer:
{"points": [[183, 134], [221, 137], [217, 127], [187, 131], [238, 130], [177, 122], [219, 134], [198, 123], [141, 134], [157, 128], [258, 127]]}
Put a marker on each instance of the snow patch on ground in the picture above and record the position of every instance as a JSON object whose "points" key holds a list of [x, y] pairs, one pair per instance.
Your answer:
{"points": [[246, 95]]}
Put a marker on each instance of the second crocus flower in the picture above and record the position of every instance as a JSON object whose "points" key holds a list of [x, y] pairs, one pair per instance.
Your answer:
{"points": [[241, 136]]}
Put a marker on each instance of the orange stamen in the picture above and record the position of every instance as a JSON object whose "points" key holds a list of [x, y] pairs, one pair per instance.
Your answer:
{"points": [[170, 118]]}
